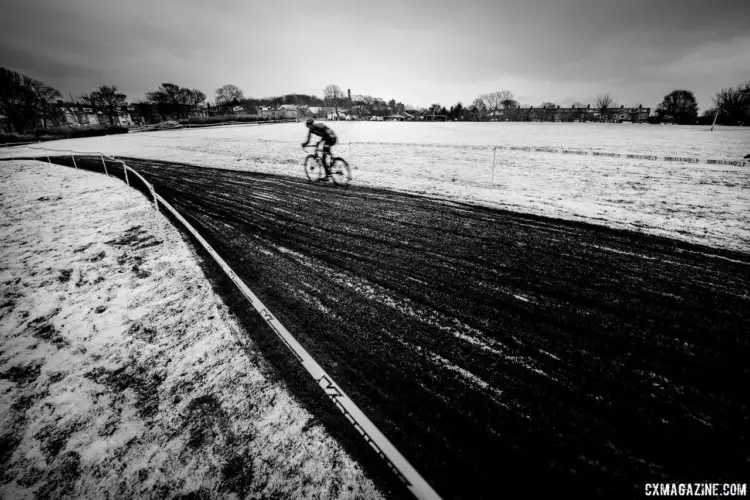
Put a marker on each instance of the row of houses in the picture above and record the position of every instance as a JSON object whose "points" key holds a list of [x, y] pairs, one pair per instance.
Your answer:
{"points": [[572, 114], [130, 115], [80, 115], [555, 114], [77, 115]]}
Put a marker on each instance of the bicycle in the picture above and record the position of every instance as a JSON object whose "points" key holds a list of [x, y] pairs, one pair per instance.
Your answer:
{"points": [[339, 170]]}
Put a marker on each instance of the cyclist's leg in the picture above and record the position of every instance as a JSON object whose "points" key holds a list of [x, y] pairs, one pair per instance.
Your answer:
{"points": [[329, 144], [327, 157]]}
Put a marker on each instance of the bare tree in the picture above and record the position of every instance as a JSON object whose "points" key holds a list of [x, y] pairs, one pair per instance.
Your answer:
{"points": [[192, 97], [603, 103], [733, 104], [173, 99], [107, 100], [44, 97], [228, 94], [494, 100], [333, 96], [23, 100], [480, 108], [491, 102]]}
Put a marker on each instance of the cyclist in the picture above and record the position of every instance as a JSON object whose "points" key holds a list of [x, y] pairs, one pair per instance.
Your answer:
{"points": [[326, 136]]}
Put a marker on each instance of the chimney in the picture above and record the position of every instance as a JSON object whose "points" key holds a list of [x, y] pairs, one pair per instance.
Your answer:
{"points": [[349, 91]]}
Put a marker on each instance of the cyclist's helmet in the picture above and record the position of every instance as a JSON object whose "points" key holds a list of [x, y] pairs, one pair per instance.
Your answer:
{"points": [[309, 121]]}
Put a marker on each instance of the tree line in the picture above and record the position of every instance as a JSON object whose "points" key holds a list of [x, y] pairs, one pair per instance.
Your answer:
{"points": [[29, 104]]}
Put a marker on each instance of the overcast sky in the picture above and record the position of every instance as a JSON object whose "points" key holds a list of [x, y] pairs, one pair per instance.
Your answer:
{"points": [[415, 51]]}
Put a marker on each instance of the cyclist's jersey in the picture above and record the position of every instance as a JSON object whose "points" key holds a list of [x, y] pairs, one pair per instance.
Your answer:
{"points": [[321, 130]]}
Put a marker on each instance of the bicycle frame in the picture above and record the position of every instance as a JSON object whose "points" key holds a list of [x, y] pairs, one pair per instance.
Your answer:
{"points": [[317, 149], [320, 153]]}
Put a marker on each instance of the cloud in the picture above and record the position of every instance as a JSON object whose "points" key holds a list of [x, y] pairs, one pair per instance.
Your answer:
{"points": [[46, 68], [418, 49], [584, 40]]}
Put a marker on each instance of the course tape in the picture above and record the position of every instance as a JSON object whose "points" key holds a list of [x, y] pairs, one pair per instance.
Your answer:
{"points": [[419, 487], [527, 149], [541, 149], [382, 446], [608, 154], [580, 152], [479, 147]]}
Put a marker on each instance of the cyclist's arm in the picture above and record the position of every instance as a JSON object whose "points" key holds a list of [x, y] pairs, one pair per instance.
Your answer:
{"points": [[309, 134]]}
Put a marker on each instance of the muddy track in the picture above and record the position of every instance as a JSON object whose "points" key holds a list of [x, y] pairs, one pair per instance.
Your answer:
{"points": [[501, 353]]}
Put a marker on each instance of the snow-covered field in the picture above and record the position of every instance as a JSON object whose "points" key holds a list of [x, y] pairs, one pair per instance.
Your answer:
{"points": [[122, 374], [701, 203]]}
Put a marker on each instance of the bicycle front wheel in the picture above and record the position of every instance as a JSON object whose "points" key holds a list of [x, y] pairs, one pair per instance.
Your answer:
{"points": [[313, 168], [340, 172]]}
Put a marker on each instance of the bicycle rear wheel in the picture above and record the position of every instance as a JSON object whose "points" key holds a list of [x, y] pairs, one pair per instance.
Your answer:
{"points": [[340, 172], [313, 168]]}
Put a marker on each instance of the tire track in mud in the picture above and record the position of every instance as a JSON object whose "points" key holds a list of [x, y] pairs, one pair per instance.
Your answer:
{"points": [[498, 351]]}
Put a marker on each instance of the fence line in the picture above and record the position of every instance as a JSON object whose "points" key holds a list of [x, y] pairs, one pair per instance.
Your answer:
{"points": [[544, 149], [484, 147], [366, 428]]}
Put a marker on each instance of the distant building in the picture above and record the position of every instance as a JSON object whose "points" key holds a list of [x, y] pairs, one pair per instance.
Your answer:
{"points": [[331, 114], [285, 111], [77, 114], [314, 112], [634, 115]]}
